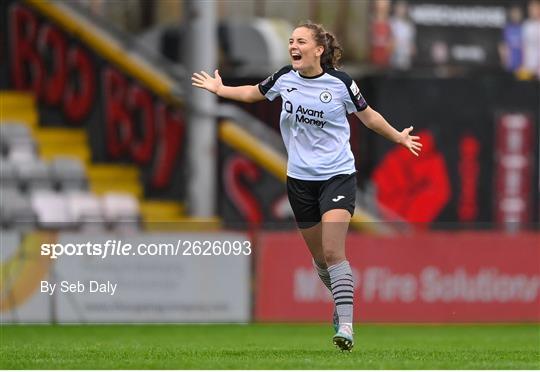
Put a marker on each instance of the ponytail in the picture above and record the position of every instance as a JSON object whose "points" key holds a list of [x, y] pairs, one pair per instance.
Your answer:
{"points": [[332, 50]]}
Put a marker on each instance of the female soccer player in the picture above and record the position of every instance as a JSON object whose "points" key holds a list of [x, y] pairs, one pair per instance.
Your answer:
{"points": [[321, 180]]}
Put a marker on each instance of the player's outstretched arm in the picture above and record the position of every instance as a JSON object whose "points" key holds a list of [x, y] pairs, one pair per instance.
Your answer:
{"points": [[375, 121], [244, 93]]}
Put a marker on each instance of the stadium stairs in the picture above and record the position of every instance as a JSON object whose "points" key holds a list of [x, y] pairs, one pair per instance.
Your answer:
{"points": [[102, 184]]}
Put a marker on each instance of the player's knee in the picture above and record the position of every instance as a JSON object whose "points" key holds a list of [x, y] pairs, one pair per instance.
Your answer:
{"points": [[333, 257]]}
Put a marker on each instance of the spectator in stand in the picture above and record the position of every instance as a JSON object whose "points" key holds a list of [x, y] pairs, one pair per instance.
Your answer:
{"points": [[380, 34], [511, 49], [531, 40], [403, 33]]}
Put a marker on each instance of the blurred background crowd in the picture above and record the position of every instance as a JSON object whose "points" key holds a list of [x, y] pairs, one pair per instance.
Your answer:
{"points": [[379, 33]]}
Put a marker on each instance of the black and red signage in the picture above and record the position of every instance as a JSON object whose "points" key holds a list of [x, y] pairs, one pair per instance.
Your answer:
{"points": [[451, 184], [466, 166], [249, 195], [42, 60], [76, 86]]}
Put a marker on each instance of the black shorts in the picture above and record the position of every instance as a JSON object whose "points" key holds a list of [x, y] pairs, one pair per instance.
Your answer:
{"points": [[311, 199]]}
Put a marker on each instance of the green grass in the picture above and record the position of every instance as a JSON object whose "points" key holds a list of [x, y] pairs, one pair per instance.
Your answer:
{"points": [[270, 346]]}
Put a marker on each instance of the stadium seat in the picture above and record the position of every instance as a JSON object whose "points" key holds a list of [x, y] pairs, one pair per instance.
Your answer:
{"points": [[34, 175], [8, 173], [51, 209], [121, 210], [16, 210], [7, 194], [14, 136], [10, 130], [68, 173], [85, 210], [23, 152]]}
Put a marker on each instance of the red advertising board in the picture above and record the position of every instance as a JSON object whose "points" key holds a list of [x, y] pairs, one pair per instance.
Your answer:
{"points": [[428, 277]]}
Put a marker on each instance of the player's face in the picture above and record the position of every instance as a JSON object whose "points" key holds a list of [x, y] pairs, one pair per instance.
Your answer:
{"points": [[304, 51]]}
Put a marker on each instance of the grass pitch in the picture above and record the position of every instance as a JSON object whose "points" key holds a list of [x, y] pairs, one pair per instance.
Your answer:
{"points": [[268, 346]]}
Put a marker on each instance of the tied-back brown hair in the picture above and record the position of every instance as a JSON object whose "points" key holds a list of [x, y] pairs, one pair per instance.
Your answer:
{"points": [[332, 50]]}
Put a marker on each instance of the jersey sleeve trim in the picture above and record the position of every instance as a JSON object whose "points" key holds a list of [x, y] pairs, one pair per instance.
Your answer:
{"points": [[269, 82], [352, 89]]}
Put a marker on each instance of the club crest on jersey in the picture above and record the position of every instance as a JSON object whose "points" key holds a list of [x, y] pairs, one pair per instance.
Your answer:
{"points": [[325, 97]]}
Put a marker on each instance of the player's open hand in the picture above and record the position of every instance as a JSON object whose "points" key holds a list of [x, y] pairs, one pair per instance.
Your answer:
{"points": [[205, 81], [410, 142]]}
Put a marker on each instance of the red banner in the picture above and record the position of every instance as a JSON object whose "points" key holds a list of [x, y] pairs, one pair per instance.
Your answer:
{"points": [[430, 277]]}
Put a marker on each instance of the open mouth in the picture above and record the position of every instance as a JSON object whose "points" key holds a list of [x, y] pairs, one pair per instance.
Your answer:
{"points": [[296, 56]]}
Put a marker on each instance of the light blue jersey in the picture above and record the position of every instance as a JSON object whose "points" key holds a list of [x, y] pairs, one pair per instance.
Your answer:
{"points": [[313, 121]]}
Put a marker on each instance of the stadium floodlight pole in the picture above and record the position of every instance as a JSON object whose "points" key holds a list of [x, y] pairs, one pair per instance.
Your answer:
{"points": [[200, 51]]}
